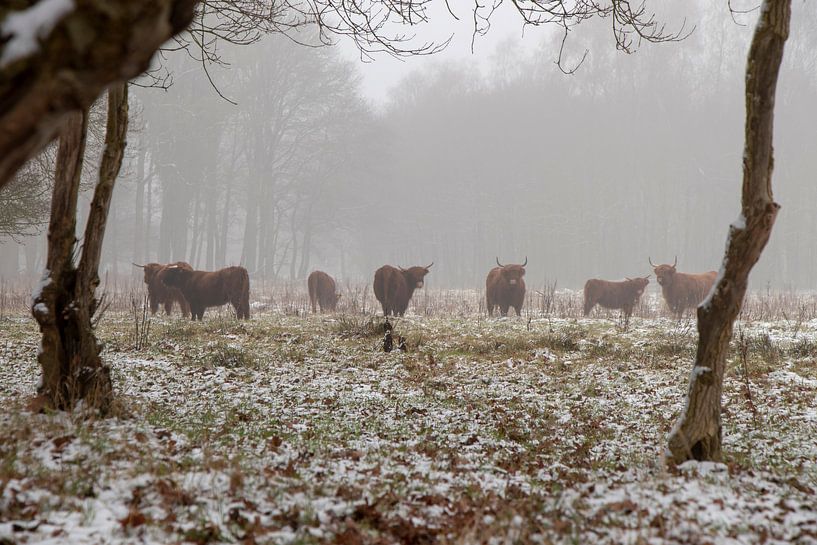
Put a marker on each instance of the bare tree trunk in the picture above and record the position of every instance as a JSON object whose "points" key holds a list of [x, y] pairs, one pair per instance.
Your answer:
{"points": [[697, 434], [139, 213], [148, 218], [211, 211], [249, 254], [306, 247], [221, 257], [198, 232], [65, 305]]}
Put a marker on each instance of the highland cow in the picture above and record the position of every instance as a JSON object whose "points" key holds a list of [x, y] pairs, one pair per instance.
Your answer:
{"points": [[622, 295], [682, 290], [322, 291], [505, 288], [204, 289], [393, 287], [159, 293]]}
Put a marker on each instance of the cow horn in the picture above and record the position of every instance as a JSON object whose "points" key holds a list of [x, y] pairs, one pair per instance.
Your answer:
{"points": [[135, 265], [647, 277], [526, 261], [653, 265], [428, 266], [498, 263], [676, 262]]}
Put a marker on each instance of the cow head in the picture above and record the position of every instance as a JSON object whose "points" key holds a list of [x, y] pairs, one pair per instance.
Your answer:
{"points": [[174, 275], [414, 275], [151, 270], [664, 274], [640, 284], [512, 273]]}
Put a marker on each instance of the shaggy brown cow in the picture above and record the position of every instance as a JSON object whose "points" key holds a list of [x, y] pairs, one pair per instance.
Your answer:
{"points": [[322, 291], [682, 290], [505, 288], [393, 287], [622, 295], [204, 289], [159, 293]]}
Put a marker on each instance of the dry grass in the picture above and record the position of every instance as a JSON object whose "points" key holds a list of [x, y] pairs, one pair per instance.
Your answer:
{"points": [[296, 428]]}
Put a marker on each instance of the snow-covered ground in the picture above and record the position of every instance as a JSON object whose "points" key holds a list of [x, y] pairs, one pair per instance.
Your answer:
{"points": [[293, 429]]}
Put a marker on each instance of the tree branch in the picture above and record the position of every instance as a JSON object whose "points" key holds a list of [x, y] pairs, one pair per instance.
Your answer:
{"points": [[96, 43]]}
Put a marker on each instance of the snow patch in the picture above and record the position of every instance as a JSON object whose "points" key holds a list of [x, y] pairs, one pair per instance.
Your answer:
{"points": [[45, 281], [26, 27]]}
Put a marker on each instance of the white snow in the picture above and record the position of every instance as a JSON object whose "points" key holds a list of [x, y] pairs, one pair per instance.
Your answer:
{"points": [[740, 223], [324, 430], [26, 27], [44, 282]]}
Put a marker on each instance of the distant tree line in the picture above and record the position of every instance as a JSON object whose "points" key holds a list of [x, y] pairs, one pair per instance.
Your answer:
{"points": [[586, 175]]}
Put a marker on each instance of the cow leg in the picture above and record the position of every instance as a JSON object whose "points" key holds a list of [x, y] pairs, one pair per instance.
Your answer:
{"points": [[168, 304], [185, 308], [503, 309], [242, 309], [245, 305], [154, 304], [518, 310], [588, 306]]}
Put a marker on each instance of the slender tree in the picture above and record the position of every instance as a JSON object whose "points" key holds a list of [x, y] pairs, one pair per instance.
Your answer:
{"points": [[698, 432]]}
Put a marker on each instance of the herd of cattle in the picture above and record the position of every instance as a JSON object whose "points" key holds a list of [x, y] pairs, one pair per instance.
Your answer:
{"points": [[195, 291]]}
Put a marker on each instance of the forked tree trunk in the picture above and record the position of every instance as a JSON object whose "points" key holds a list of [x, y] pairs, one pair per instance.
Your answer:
{"points": [[697, 434], [65, 305]]}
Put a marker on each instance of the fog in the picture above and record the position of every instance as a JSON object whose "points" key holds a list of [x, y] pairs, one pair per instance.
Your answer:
{"points": [[316, 160]]}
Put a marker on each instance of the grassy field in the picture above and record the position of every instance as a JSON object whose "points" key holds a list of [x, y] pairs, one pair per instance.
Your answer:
{"points": [[294, 428]]}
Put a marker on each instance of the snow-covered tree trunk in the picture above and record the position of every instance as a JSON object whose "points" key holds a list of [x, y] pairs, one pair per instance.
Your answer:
{"points": [[64, 306], [58, 56], [697, 434]]}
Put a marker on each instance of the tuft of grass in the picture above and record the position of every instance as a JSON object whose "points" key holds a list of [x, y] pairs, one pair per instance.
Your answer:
{"points": [[349, 326], [180, 330], [765, 349], [230, 356]]}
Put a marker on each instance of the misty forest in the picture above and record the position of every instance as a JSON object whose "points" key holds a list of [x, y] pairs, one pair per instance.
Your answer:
{"points": [[307, 271]]}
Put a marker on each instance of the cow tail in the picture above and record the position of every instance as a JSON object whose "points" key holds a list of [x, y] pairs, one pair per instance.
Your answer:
{"points": [[245, 293], [588, 300]]}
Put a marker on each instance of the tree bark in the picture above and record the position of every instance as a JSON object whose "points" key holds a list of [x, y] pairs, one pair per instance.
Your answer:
{"points": [[54, 296], [96, 43], [698, 432], [65, 305]]}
